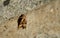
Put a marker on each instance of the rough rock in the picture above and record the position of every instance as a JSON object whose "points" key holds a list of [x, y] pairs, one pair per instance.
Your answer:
{"points": [[43, 19]]}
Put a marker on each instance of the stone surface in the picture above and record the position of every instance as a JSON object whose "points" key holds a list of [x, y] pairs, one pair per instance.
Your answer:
{"points": [[16, 7], [43, 19]]}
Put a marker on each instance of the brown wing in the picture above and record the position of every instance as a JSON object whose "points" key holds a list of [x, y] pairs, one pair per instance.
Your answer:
{"points": [[24, 21]]}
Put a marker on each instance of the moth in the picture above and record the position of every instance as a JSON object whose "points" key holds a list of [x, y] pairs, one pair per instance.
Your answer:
{"points": [[22, 21]]}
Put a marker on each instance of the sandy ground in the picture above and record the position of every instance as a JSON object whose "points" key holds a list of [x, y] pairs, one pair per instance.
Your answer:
{"points": [[43, 22]]}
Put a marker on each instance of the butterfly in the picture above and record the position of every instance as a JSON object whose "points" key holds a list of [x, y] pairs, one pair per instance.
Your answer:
{"points": [[22, 21]]}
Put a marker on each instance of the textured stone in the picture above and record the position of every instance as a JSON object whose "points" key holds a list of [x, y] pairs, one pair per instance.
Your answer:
{"points": [[43, 19]]}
